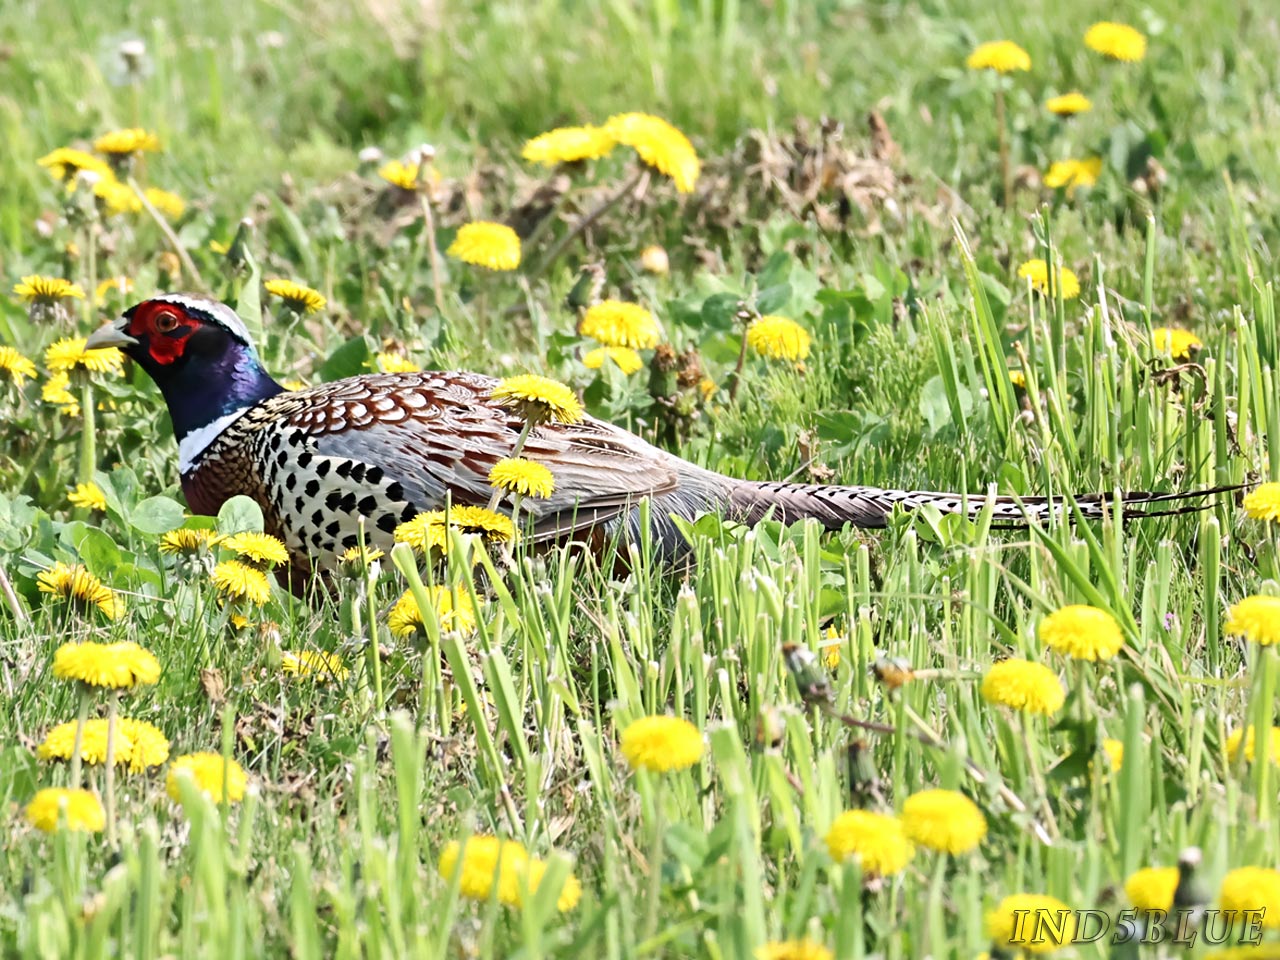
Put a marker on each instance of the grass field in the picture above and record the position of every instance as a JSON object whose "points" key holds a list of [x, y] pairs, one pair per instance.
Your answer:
{"points": [[896, 242]]}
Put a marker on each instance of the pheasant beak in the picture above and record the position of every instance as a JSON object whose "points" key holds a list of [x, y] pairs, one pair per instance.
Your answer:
{"points": [[111, 335]]}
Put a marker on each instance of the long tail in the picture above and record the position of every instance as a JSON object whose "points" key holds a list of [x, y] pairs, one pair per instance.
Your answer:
{"points": [[833, 506]]}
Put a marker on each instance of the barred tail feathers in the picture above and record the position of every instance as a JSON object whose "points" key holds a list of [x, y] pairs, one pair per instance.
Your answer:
{"points": [[834, 506]]}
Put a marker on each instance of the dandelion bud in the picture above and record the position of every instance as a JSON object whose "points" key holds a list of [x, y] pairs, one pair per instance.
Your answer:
{"points": [[370, 156], [654, 259]]}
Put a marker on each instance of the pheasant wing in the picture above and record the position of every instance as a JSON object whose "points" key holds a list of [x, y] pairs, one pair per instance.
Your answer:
{"points": [[429, 435]]}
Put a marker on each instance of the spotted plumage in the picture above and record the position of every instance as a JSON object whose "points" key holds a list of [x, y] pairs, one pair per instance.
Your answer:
{"points": [[370, 452]]}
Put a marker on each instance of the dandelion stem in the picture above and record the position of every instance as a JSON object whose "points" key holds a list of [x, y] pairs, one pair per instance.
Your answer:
{"points": [[655, 867], [742, 357], [187, 263], [609, 202], [375, 655], [1037, 776], [90, 267], [1002, 133], [433, 253], [515, 452], [1261, 710], [113, 702], [78, 746], [88, 434]]}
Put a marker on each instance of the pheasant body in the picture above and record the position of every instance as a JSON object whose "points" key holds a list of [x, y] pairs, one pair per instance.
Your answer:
{"points": [[355, 458]]}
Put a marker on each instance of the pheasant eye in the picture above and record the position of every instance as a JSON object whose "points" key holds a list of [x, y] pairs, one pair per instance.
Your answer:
{"points": [[166, 321]]}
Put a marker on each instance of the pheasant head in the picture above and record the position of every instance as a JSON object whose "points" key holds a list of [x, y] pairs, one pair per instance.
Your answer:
{"points": [[199, 354]]}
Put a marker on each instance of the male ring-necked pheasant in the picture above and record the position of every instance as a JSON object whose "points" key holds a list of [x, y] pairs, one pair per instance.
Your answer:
{"points": [[385, 447]]}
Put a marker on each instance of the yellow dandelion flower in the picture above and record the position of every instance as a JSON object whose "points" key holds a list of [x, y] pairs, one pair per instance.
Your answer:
{"points": [[120, 143], [79, 587], [943, 820], [1002, 56], [296, 296], [661, 744], [165, 201], [1018, 379], [779, 338], [1118, 41], [1179, 344], [570, 893], [57, 390], [37, 289], [211, 775], [239, 581], [1031, 922], [316, 664], [220, 248], [492, 245], [1255, 618], [454, 612], [138, 745], [149, 746], [1037, 272], [1023, 685], [60, 742], [112, 286], [395, 363], [188, 541], [618, 324], [494, 527], [261, 548], [658, 144], [538, 398], [1260, 503], [1114, 749], [117, 198], [83, 811], [830, 649], [1234, 738], [624, 358], [516, 474], [115, 666], [66, 163], [66, 354], [1252, 888], [361, 556], [793, 950], [410, 176], [16, 366], [487, 862], [88, 496], [568, 145], [1151, 888], [877, 840], [1082, 632], [1069, 104], [1072, 174], [425, 532], [654, 259]]}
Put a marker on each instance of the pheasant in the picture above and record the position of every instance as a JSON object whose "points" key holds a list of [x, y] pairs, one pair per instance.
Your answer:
{"points": [[379, 449]]}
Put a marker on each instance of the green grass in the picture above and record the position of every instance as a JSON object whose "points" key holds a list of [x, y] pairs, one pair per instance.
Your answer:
{"points": [[915, 311]]}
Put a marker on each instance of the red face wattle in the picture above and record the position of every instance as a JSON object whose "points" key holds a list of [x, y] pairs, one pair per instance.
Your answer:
{"points": [[164, 328]]}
